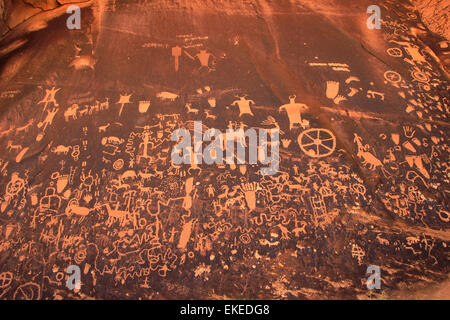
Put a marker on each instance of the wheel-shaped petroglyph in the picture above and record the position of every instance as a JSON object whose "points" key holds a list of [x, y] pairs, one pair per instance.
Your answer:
{"points": [[317, 143]]}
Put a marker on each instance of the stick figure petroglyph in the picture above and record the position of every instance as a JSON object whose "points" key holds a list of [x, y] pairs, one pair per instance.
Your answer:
{"points": [[49, 98], [48, 119]]}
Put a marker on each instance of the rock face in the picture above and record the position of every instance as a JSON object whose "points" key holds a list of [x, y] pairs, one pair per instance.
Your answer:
{"points": [[435, 14], [87, 171], [14, 12]]}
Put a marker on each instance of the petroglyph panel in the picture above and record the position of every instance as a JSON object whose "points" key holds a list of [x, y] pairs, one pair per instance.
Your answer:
{"points": [[87, 176]]}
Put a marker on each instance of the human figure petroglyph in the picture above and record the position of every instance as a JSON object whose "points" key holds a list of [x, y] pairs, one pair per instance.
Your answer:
{"points": [[294, 112], [244, 105], [204, 57], [146, 145], [49, 98], [88, 180], [48, 119]]}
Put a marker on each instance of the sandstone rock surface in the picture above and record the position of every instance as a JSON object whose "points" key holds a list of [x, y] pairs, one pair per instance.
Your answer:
{"points": [[87, 178]]}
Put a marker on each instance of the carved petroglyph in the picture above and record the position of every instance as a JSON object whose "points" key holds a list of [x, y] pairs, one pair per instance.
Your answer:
{"points": [[98, 187]]}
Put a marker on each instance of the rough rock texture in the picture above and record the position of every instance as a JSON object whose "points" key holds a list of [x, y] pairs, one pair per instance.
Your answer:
{"points": [[435, 14], [86, 176], [14, 12]]}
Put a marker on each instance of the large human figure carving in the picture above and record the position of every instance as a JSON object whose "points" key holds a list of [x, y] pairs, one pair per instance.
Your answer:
{"points": [[204, 56], [244, 106], [294, 112]]}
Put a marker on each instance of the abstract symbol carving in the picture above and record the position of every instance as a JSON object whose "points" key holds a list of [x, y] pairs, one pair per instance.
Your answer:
{"points": [[395, 52], [5, 279], [420, 76], [28, 291], [15, 185], [392, 76]]}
